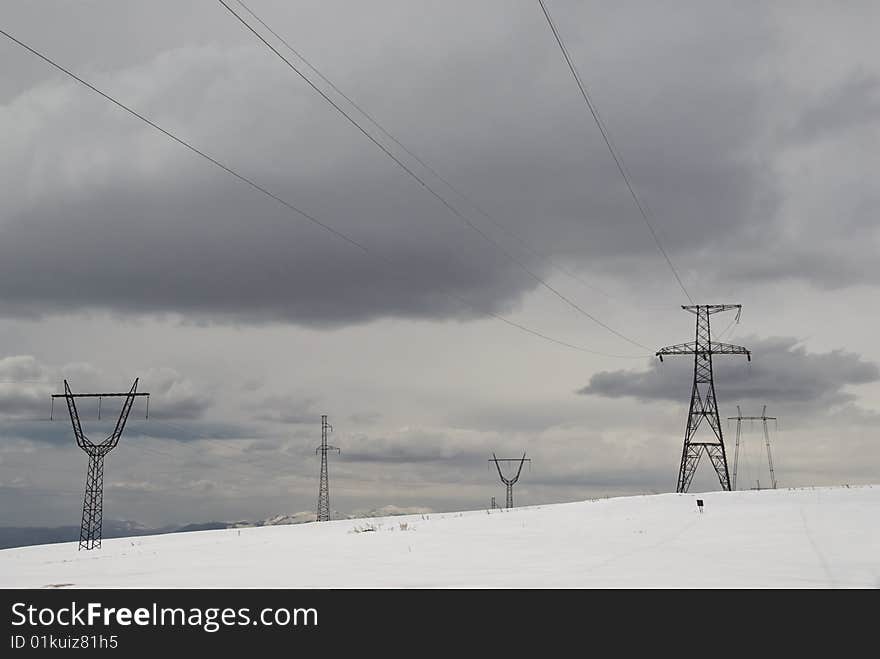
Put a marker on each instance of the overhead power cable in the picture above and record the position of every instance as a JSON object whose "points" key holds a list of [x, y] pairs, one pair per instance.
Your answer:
{"points": [[369, 117], [452, 209], [618, 160], [300, 213]]}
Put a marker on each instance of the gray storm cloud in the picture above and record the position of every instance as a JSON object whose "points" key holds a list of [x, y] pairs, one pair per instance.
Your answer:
{"points": [[109, 214], [781, 370]]}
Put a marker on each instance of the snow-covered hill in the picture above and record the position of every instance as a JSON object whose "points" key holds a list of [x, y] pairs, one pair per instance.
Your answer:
{"points": [[821, 537]]}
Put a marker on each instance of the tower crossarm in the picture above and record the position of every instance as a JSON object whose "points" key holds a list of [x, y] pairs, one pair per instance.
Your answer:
{"points": [[713, 308], [729, 349], [113, 439], [679, 349], [714, 348], [501, 475]]}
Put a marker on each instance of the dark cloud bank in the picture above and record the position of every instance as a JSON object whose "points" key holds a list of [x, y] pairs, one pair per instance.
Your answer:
{"points": [[780, 370]]}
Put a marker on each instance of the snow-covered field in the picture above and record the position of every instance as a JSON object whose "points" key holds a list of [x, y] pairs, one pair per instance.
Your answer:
{"points": [[822, 537]]}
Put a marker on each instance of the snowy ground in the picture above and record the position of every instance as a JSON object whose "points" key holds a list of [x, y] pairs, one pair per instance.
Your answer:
{"points": [[822, 537]]}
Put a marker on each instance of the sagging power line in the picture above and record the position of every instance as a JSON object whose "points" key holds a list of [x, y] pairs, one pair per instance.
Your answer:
{"points": [[418, 179], [299, 212], [618, 159], [421, 161]]}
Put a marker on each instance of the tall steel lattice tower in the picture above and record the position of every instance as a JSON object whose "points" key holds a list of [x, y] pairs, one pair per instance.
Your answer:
{"points": [[510, 482], [763, 418], [704, 404], [93, 501], [324, 486]]}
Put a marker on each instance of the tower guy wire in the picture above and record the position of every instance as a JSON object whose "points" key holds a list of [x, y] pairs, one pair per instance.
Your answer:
{"points": [[739, 418], [93, 500], [361, 247], [324, 484], [704, 405], [509, 482]]}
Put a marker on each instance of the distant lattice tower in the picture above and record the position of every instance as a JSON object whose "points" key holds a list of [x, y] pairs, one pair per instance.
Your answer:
{"points": [[510, 482], [324, 485], [739, 418]]}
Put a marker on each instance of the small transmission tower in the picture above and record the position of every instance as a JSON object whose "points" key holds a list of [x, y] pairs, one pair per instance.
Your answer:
{"points": [[764, 419], [324, 486], [510, 482], [704, 405], [93, 501]]}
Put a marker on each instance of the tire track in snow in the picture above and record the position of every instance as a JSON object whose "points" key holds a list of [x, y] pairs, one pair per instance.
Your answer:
{"points": [[816, 550], [639, 550]]}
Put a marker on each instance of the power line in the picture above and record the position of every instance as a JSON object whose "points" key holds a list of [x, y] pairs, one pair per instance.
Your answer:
{"points": [[256, 186], [452, 209], [189, 146], [618, 160], [500, 225], [728, 328]]}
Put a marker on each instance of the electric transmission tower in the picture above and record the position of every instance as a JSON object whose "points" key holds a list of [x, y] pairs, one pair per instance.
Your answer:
{"points": [[764, 419], [93, 501], [510, 482], [324, 486], [704, 404]]}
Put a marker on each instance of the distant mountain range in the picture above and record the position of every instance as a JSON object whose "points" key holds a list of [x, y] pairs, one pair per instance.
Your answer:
{"points": [[23, 536]]}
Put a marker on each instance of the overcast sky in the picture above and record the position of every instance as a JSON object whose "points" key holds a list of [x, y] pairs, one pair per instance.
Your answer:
{"points": [[750, 130]]}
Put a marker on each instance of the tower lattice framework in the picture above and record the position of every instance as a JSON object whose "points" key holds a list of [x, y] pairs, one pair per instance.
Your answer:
{"points": [[510, 482], [704, 403], [92, 520], [324, 485], [739, 418]]}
